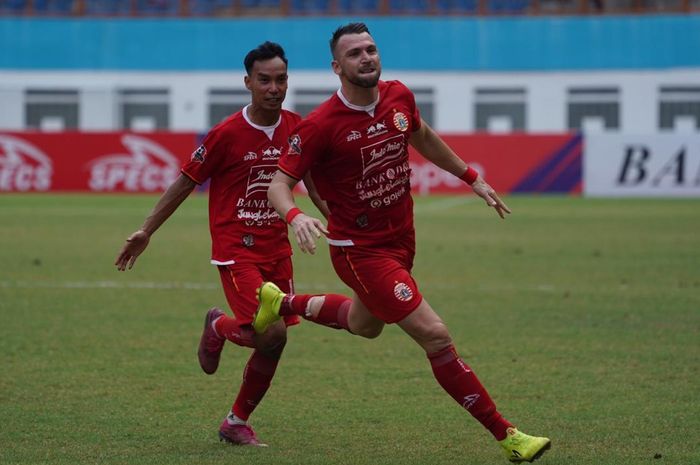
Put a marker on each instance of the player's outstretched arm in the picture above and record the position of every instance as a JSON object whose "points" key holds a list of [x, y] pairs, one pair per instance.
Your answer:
{"points": [[434, 149], [306, 229], [137, 242]]}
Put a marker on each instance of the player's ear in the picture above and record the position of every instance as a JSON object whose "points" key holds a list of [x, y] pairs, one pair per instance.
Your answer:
{"points": [[336, 67], [246, 81]]}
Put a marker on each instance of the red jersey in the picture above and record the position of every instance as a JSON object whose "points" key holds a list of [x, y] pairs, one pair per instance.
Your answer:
{"points": [[358, 160], [240, 158]]}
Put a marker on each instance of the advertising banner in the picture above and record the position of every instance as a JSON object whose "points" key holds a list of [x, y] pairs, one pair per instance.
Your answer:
{"points": [[661, 165], [149, 162], [92, 162], [509, 163]]}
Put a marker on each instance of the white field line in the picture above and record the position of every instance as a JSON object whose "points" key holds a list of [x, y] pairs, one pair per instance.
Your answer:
{"points": [[303, 287]]}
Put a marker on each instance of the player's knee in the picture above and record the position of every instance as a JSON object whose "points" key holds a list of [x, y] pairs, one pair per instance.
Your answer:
{"points": [[368, 332], [436, 337], [274, 340]]}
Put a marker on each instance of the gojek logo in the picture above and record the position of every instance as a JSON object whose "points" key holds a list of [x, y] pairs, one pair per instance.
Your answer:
{"points": [[146, 167], [23, 167]]}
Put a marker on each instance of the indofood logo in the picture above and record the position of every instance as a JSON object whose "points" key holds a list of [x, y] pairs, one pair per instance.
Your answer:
{"points": [[147, 166], [23, 167]]}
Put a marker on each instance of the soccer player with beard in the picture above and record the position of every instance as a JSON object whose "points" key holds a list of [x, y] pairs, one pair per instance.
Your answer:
{"points": [[355, 146], [249, 241]]}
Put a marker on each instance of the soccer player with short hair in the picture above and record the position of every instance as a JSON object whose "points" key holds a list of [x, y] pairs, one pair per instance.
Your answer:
{"points": [[355, 147], [249, 241]]}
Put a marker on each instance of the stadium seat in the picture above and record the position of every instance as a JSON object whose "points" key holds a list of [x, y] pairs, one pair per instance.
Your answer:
{"points": [[157, 7], [108, 7], [13, 6], [306, 7], [208, 7], [456, 6], [410, 6], [358, 6], [53, 7], [508, 6]]}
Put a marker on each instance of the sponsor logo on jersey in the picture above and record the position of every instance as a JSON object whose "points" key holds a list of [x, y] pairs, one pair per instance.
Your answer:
{"points": [[147, 166], [377, 155], [259, 178], [376, 129], [400, 121], [271, 153], [199, 154], [403, 292], [294, 145], [250, 156], [23, 167], [354, 135]]}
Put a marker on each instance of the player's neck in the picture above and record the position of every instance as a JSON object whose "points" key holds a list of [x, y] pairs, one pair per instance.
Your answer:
{"points": [[263, 117], [360, 96]]}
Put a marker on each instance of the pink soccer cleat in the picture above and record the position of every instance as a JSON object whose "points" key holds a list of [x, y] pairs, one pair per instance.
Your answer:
{"points": [[240, 435], [210, 344]]}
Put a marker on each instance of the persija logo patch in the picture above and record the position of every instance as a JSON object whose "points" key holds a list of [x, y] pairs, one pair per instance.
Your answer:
{"points": [[294, 145], [199, 154], [403, 292]]}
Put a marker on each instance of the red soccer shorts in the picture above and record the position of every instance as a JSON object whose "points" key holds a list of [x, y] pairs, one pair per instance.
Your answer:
{"points": [[241, 281], [381, 277]]}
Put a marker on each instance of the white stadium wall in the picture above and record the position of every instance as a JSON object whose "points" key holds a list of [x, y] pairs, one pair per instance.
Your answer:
{"points": [[544, 96]]}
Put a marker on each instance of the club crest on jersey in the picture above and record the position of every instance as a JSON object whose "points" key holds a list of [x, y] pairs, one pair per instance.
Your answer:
{"points": [[354, 135], [400, 121], [294, 145], [403, 292], [199, 154], [250, 156]]}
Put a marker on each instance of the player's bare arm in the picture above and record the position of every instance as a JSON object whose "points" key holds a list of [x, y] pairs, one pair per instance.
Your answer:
{"points": [[431, 146], [137, 242], [306, 229]]}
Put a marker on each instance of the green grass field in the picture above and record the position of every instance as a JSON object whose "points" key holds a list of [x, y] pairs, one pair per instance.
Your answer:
{"points": [[581, 316]]}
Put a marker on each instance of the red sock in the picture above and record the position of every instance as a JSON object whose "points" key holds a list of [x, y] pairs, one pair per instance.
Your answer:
{"points": [[333, 312], [461, 383], [257, 377], [228, 327], [295, 304]]}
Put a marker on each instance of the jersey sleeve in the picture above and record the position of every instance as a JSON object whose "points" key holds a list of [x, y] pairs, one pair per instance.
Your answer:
{"points": [[207, 157], [305, 145], [415, 112]]}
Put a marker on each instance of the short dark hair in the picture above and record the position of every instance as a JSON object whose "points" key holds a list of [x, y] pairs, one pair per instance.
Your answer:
{"points": [[264, 51], [352, 28]]}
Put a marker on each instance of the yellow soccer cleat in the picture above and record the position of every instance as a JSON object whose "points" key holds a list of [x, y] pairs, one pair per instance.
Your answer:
{"points": [[520, 447], [269, 302]]}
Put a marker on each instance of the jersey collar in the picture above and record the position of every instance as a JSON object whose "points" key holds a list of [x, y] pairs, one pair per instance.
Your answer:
{"points": [[367, 108], [268, 130]]}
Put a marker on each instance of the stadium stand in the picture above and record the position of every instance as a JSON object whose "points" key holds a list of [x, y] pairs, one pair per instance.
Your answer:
{"points": [[171, 8]]}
